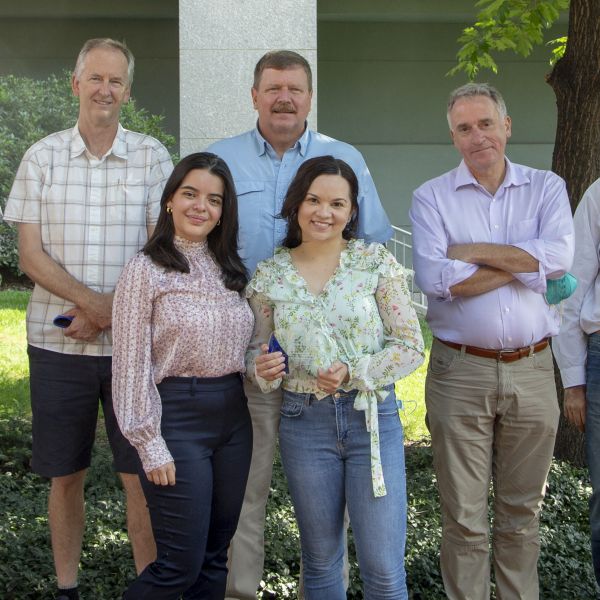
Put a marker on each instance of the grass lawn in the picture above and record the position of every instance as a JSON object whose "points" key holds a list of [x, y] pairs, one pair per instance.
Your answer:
{"points": [[14, 371], [411, 391], [26, 571]]}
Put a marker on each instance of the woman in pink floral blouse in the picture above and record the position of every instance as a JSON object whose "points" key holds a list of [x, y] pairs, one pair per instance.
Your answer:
{"points": [[180, 331]]}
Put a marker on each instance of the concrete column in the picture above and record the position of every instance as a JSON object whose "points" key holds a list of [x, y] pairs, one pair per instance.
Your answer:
{"points": [[219, 45]]}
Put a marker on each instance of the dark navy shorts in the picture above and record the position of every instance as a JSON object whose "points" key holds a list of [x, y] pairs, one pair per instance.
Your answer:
{"points": [[65, 391]]}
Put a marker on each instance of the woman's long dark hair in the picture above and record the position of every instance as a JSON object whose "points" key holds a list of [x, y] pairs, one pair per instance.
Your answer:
{"points": [[296, 194], [222, 240]]}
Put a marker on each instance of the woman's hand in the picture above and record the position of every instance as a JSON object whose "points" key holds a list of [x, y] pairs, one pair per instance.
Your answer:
{"points": [[163, 475], [330, 380], [270, 365]]}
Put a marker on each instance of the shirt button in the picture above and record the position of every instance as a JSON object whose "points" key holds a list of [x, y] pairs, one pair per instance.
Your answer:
{"points": [[507, 309], [509, 339], [496, 226], [336, 395]]}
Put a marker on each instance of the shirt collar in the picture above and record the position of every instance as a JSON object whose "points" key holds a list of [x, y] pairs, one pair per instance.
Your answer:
{"points": [[118, 148], [262, 146], [514, 176]]}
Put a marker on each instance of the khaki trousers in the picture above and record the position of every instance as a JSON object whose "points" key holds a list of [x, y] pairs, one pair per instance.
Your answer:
{"points": [[247, 549], [497, 421]]}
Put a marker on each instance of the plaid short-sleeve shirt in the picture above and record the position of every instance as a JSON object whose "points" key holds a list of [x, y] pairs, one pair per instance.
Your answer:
{"points": [[93, 215]]}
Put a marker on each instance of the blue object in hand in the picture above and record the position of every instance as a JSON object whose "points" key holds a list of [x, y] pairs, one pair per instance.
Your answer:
{"points": [[558, 290], [275, 346], [63, 321]]}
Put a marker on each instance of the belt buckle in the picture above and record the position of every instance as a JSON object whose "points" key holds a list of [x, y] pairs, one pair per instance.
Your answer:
{"points": [[505, 352]]}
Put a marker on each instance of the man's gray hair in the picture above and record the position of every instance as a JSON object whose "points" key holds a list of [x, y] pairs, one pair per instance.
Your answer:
{"points": [[109, 44], [470, 90]]}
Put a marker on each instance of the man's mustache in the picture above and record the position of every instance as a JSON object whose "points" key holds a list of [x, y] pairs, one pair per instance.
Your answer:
{"points": [[284, 107]]}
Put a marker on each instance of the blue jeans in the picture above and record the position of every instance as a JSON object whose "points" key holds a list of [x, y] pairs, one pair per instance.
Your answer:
{"points": [[592, 442], [325, 450]]}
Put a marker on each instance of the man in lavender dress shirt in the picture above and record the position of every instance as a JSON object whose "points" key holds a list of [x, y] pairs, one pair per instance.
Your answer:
{"points": [[487, 235]]}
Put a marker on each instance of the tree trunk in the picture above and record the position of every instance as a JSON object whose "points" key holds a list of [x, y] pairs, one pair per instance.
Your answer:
{"points": [[575, 80]]}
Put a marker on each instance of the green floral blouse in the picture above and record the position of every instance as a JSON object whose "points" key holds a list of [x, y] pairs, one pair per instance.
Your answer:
{"points": [[363, 317]]}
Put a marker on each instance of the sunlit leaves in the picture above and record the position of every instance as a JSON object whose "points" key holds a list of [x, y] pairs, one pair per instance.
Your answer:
{"points": [[505, 25]]}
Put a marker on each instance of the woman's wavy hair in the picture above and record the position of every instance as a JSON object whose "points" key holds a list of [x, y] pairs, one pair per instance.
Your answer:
{"points": [[296, 194], [222, 240]]}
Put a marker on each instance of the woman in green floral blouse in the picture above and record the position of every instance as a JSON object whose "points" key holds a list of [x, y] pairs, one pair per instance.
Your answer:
{"points": [[341, 311]]}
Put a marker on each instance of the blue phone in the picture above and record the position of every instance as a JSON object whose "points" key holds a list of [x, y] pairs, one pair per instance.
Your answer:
{"points": [[63, 321], [275, 346]]}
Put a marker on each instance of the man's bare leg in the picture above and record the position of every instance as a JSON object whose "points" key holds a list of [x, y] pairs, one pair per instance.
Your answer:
{"points": [[138, 522], [66, 517]]}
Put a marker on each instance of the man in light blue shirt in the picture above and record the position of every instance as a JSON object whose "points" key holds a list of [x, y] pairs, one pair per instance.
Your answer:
{"points": [[263, 162]]}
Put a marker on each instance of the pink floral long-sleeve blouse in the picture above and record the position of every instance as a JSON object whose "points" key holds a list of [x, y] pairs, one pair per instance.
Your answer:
{"points": [[171, 324]]}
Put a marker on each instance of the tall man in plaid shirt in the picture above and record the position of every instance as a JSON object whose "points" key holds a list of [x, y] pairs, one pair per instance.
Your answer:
{"points": [[85, 201]]}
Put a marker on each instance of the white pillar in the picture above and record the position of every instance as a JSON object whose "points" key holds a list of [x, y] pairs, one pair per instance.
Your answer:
{"points": [[220, 42]]}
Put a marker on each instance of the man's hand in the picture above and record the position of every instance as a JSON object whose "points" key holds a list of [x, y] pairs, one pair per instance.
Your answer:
{"points": [[98, 308], [574, 406], [331, 379], [81, 328], [163, 475]]}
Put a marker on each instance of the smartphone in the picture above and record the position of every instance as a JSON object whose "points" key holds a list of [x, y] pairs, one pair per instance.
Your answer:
{"points": [[63, 321], [275, 346]]}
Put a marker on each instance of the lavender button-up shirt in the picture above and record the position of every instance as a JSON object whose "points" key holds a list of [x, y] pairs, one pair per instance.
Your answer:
{"points": [[530, 210]]}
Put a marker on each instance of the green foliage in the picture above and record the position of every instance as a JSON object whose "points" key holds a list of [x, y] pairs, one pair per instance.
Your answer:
{"points": [[501, 25], [282, 542], [560, 46], [26, 570], [31, 109], [565, 536]]}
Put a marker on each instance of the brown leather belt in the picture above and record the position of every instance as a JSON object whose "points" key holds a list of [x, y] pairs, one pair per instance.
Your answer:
{"points": [[501, 355]]}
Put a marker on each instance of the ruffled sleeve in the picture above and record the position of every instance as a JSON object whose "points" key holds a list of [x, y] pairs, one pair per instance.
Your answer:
{"points": [[403, 349], [402, 344], [136, 400], [262, 308]]}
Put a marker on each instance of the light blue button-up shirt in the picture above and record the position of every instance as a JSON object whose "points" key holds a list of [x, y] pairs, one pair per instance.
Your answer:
{"points": [[262, 179]]}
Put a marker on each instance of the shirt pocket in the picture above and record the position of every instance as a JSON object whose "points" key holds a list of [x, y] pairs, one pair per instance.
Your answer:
{"points": [[126, 203], [250, 200], [525, 230]]}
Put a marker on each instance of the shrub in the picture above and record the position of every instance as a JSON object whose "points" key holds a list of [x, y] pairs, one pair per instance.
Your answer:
{"points": [[26, 571], [31, 109]]}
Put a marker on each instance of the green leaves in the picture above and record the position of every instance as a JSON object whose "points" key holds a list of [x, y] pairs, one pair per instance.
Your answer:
{"points": [[505, 25], [26, 570], [559, 50]]}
